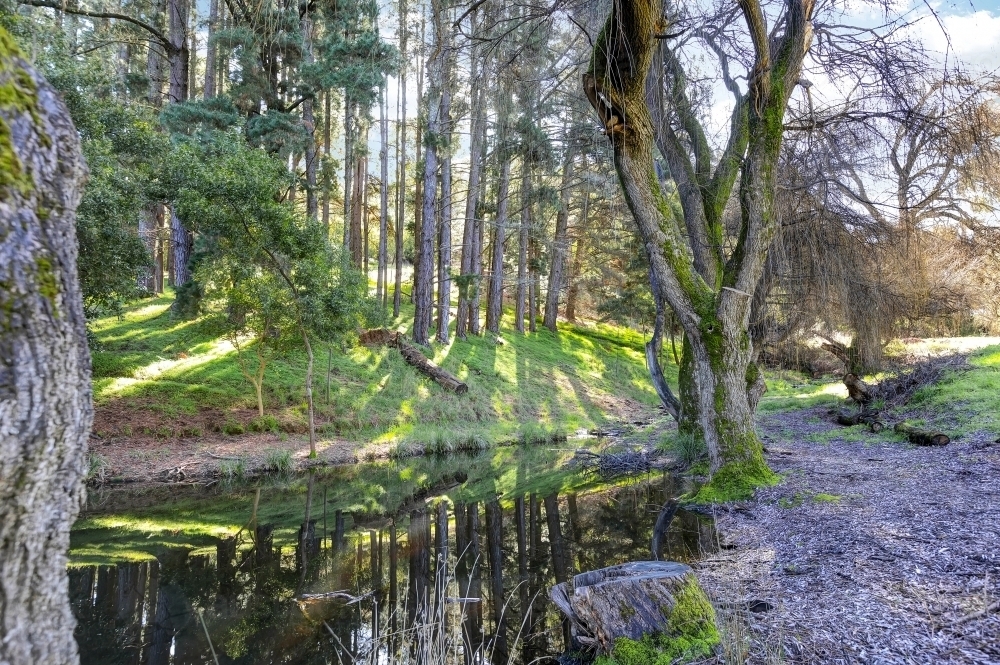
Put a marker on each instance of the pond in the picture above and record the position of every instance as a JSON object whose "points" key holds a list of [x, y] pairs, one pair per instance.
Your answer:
{"points": [[426, 561]]}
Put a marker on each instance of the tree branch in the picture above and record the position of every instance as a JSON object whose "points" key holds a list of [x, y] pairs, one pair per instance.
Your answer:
{"points": [[51, 4]]}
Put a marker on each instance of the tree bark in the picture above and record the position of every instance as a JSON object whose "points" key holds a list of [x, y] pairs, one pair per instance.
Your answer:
{"points": [[397, 291], [45, 394]]}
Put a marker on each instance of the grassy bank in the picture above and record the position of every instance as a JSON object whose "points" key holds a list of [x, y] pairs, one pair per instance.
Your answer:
{"points": [[163, 377]]}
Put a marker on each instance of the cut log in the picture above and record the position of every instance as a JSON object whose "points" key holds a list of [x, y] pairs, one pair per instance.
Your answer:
{"points": [[413, 357], [632, 600], [864, 417], [919, 437]]}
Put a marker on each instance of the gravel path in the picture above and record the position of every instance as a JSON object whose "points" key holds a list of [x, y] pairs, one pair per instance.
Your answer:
{"points": [[868, 552]]}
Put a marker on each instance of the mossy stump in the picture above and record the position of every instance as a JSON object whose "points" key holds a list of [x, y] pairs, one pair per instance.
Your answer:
{"points": [[654, 604]]}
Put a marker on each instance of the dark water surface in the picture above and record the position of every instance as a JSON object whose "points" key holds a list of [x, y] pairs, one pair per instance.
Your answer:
{"points": [[451, 559]]}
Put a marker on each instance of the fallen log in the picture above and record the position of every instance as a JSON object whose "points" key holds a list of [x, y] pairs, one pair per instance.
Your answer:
{"points": [[919, 437], [413, 357], [864, 417]]}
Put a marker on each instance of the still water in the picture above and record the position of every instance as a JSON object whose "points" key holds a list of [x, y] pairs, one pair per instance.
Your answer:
{"points": [[423, 561]]}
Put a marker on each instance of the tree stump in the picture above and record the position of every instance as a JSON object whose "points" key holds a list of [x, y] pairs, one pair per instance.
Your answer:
{"points": [[635, 599]]}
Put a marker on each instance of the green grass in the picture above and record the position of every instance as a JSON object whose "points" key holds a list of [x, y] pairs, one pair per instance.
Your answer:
{"points": [[534, 387], [966, 401]]}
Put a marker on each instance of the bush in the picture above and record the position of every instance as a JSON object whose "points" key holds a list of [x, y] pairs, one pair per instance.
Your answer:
{"points": [[266, 423], [233, 427]]}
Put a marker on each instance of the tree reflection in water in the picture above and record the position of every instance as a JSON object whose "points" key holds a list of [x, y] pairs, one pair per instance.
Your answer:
{"points": [[250, 590]]}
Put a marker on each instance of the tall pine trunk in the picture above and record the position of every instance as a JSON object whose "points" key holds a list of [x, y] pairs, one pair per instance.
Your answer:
{"points": [[45, 394], [444, 228], [560, 243], [381, 288], [423, 279], [404, 33], [469, 286], [211, 52], [309, 121], [523, 231], [494, 302]]}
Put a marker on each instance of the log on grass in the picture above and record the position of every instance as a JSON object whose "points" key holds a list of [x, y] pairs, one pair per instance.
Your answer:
{"points": [[413, 356], [919, 437]]}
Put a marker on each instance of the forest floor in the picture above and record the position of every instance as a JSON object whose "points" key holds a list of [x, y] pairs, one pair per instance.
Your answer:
{"points": [[870, 550]]}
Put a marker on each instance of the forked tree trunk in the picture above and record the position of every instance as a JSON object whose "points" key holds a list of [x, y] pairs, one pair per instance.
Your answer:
{"points": [[717, 369], [45, 395]]}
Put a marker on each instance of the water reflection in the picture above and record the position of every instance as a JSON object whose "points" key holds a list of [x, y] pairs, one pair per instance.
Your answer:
{"points": [[441, 581]]}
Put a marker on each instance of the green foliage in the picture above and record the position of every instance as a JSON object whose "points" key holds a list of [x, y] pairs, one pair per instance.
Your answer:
{"points": [[122, 147], [267, 274], [265, 423], [691, 634], [233, 469], [279, 461]]}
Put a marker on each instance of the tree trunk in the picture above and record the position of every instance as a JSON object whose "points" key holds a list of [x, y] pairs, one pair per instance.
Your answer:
{"points": [[309, 394], [560, 243], [494, 304], [418, 224], [211, 53], [573, 293], [309, 122], [327, 185], [348, 171], [424, 277], [470, 284], [45, 394], [717, 371], [522, 247], [444, 231], [381, 285], [397, 291]]}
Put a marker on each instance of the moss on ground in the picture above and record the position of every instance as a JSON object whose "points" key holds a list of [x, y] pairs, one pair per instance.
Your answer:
{"points": [[691, 634]]}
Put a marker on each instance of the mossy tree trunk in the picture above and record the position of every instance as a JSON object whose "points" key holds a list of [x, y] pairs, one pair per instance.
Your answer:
{"points": [[708, 290], [45, 397]]}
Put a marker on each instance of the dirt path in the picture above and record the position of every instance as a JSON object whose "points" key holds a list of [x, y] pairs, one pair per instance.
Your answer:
{"points": [[868, 552]]}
